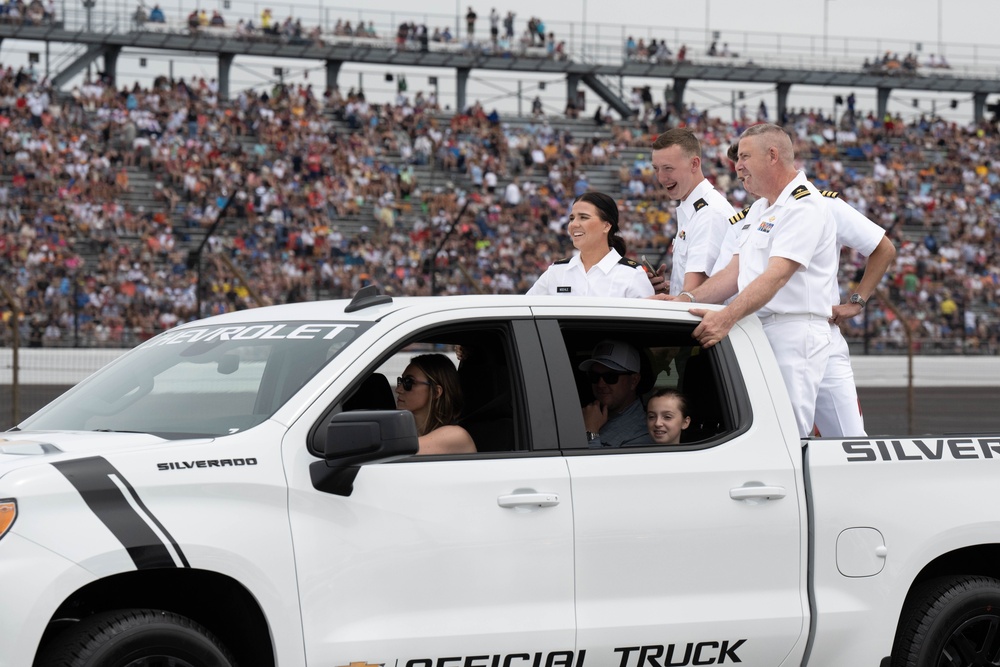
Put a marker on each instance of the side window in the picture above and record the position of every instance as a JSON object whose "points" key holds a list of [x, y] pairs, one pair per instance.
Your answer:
{"points": [[680, 377], [477, 387]]}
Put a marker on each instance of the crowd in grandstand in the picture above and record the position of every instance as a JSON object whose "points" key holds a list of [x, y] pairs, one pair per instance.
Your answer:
{"points": [[891, 63], [32, 12], [321, 194], [500, 39]]}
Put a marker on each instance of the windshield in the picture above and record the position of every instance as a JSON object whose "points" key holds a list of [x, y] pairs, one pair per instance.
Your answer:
{"points": [[200, 381]]}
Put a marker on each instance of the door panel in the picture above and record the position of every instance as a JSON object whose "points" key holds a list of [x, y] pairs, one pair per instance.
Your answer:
{"points": [[421, 561], [681, 557], [665, 556], [438, 557]]}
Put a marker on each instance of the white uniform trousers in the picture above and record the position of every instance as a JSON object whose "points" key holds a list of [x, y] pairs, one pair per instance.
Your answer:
{"points": [[838, 414], [801, 343]]}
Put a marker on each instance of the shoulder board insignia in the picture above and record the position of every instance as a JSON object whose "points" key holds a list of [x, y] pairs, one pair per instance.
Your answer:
{"points": [[832, 194], [739, 216], [629, 262], [563, 261], [800, 192], [700, 204]]}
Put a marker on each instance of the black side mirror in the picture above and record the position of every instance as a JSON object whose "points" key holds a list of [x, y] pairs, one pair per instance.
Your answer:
{"points": [[360, 437]]}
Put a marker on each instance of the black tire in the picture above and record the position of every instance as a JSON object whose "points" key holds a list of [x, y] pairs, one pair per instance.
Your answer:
{"points": [[953, 622], [136, 638]]}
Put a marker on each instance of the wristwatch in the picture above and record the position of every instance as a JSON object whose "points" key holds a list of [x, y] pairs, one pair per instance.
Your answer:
{"points": [[593, 437], [856, 298]]}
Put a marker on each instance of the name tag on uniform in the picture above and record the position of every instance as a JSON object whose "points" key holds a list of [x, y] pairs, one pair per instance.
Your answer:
{"points": [[564, 289]]}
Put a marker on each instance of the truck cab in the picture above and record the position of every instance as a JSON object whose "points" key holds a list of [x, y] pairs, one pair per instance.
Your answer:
{"points": [[243, 490]]}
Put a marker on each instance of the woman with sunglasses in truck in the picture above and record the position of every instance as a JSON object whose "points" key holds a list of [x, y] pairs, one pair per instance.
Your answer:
{"points": [[429, 388]]}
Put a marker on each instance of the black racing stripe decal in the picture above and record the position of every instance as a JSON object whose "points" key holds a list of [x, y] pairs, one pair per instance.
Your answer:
{"points": [[92, 478]]}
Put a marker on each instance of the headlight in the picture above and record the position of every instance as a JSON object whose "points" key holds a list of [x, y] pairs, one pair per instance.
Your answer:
{"points": [[8, 512]]}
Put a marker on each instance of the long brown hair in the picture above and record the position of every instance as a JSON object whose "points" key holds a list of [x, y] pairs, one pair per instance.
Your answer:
{"points": [[607, 210], [446, 408]]}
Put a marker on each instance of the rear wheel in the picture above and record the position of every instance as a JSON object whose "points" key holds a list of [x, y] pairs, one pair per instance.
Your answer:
{"points": [[137, 638], [953, 622]]}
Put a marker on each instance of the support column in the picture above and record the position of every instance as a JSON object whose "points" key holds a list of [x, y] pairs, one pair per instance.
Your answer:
{"points": [[572, 89], [111, 64], [978, 106], [883, 102], [225, 65], [332, 72], [679, 86], [782, 109], [461, 81]]}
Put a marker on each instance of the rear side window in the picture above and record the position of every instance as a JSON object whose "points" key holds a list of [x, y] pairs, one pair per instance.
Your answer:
{"points": [[669, 360]]}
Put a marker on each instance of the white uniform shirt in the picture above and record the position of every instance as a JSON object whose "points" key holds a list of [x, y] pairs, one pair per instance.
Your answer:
{"points": [[837, 413], [854, 230], [797, 226], [612, 276], [702, 223], [737, 227]]}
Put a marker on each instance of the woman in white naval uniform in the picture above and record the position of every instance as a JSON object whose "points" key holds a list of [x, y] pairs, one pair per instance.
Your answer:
{"points": [[599, 268]]}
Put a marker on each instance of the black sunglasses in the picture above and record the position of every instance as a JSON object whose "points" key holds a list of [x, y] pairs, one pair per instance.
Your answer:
{"points": [[407, 382], [610, 377]]}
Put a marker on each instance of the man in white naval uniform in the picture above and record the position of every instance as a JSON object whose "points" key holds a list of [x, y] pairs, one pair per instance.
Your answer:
{"points": [[784, 271], [702, 211], [838, 412]]}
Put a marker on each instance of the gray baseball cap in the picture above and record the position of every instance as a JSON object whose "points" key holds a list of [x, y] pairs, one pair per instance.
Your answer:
{"points": [[616, 355]]}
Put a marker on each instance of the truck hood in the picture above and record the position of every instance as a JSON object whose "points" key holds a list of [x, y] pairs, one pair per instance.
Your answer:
{"points": [[24, 448]]}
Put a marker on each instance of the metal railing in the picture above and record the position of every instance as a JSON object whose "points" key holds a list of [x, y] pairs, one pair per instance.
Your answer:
{"points": [[600, 43]]}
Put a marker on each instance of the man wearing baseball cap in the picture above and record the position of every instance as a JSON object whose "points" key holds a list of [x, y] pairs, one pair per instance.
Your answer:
{"points": [[616, 417]]}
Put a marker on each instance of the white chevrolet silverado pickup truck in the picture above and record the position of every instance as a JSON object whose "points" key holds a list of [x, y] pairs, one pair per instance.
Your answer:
{"points": [[243, 491]]}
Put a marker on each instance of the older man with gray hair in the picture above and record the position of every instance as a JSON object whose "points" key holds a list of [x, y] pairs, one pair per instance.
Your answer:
{"points": [[784, 270]]}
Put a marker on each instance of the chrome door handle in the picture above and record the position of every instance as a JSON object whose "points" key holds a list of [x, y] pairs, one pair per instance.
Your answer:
{"points": [[757, 493], [528, 500]]}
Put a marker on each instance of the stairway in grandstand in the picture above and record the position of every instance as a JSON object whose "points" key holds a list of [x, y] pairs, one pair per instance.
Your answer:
{"points": [[914, 225], [430, 178], [138, 199], [189, 238]]}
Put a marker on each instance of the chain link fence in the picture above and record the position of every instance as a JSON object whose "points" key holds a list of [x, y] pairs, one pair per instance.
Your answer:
{"points": [[31, 376], [40, 375]]}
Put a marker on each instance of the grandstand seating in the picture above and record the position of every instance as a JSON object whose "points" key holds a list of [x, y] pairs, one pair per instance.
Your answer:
{"points": [[123, 273]]}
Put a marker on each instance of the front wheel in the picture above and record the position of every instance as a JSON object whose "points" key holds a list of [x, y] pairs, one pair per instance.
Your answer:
{"points": [[136, 638], [953, 622]]}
